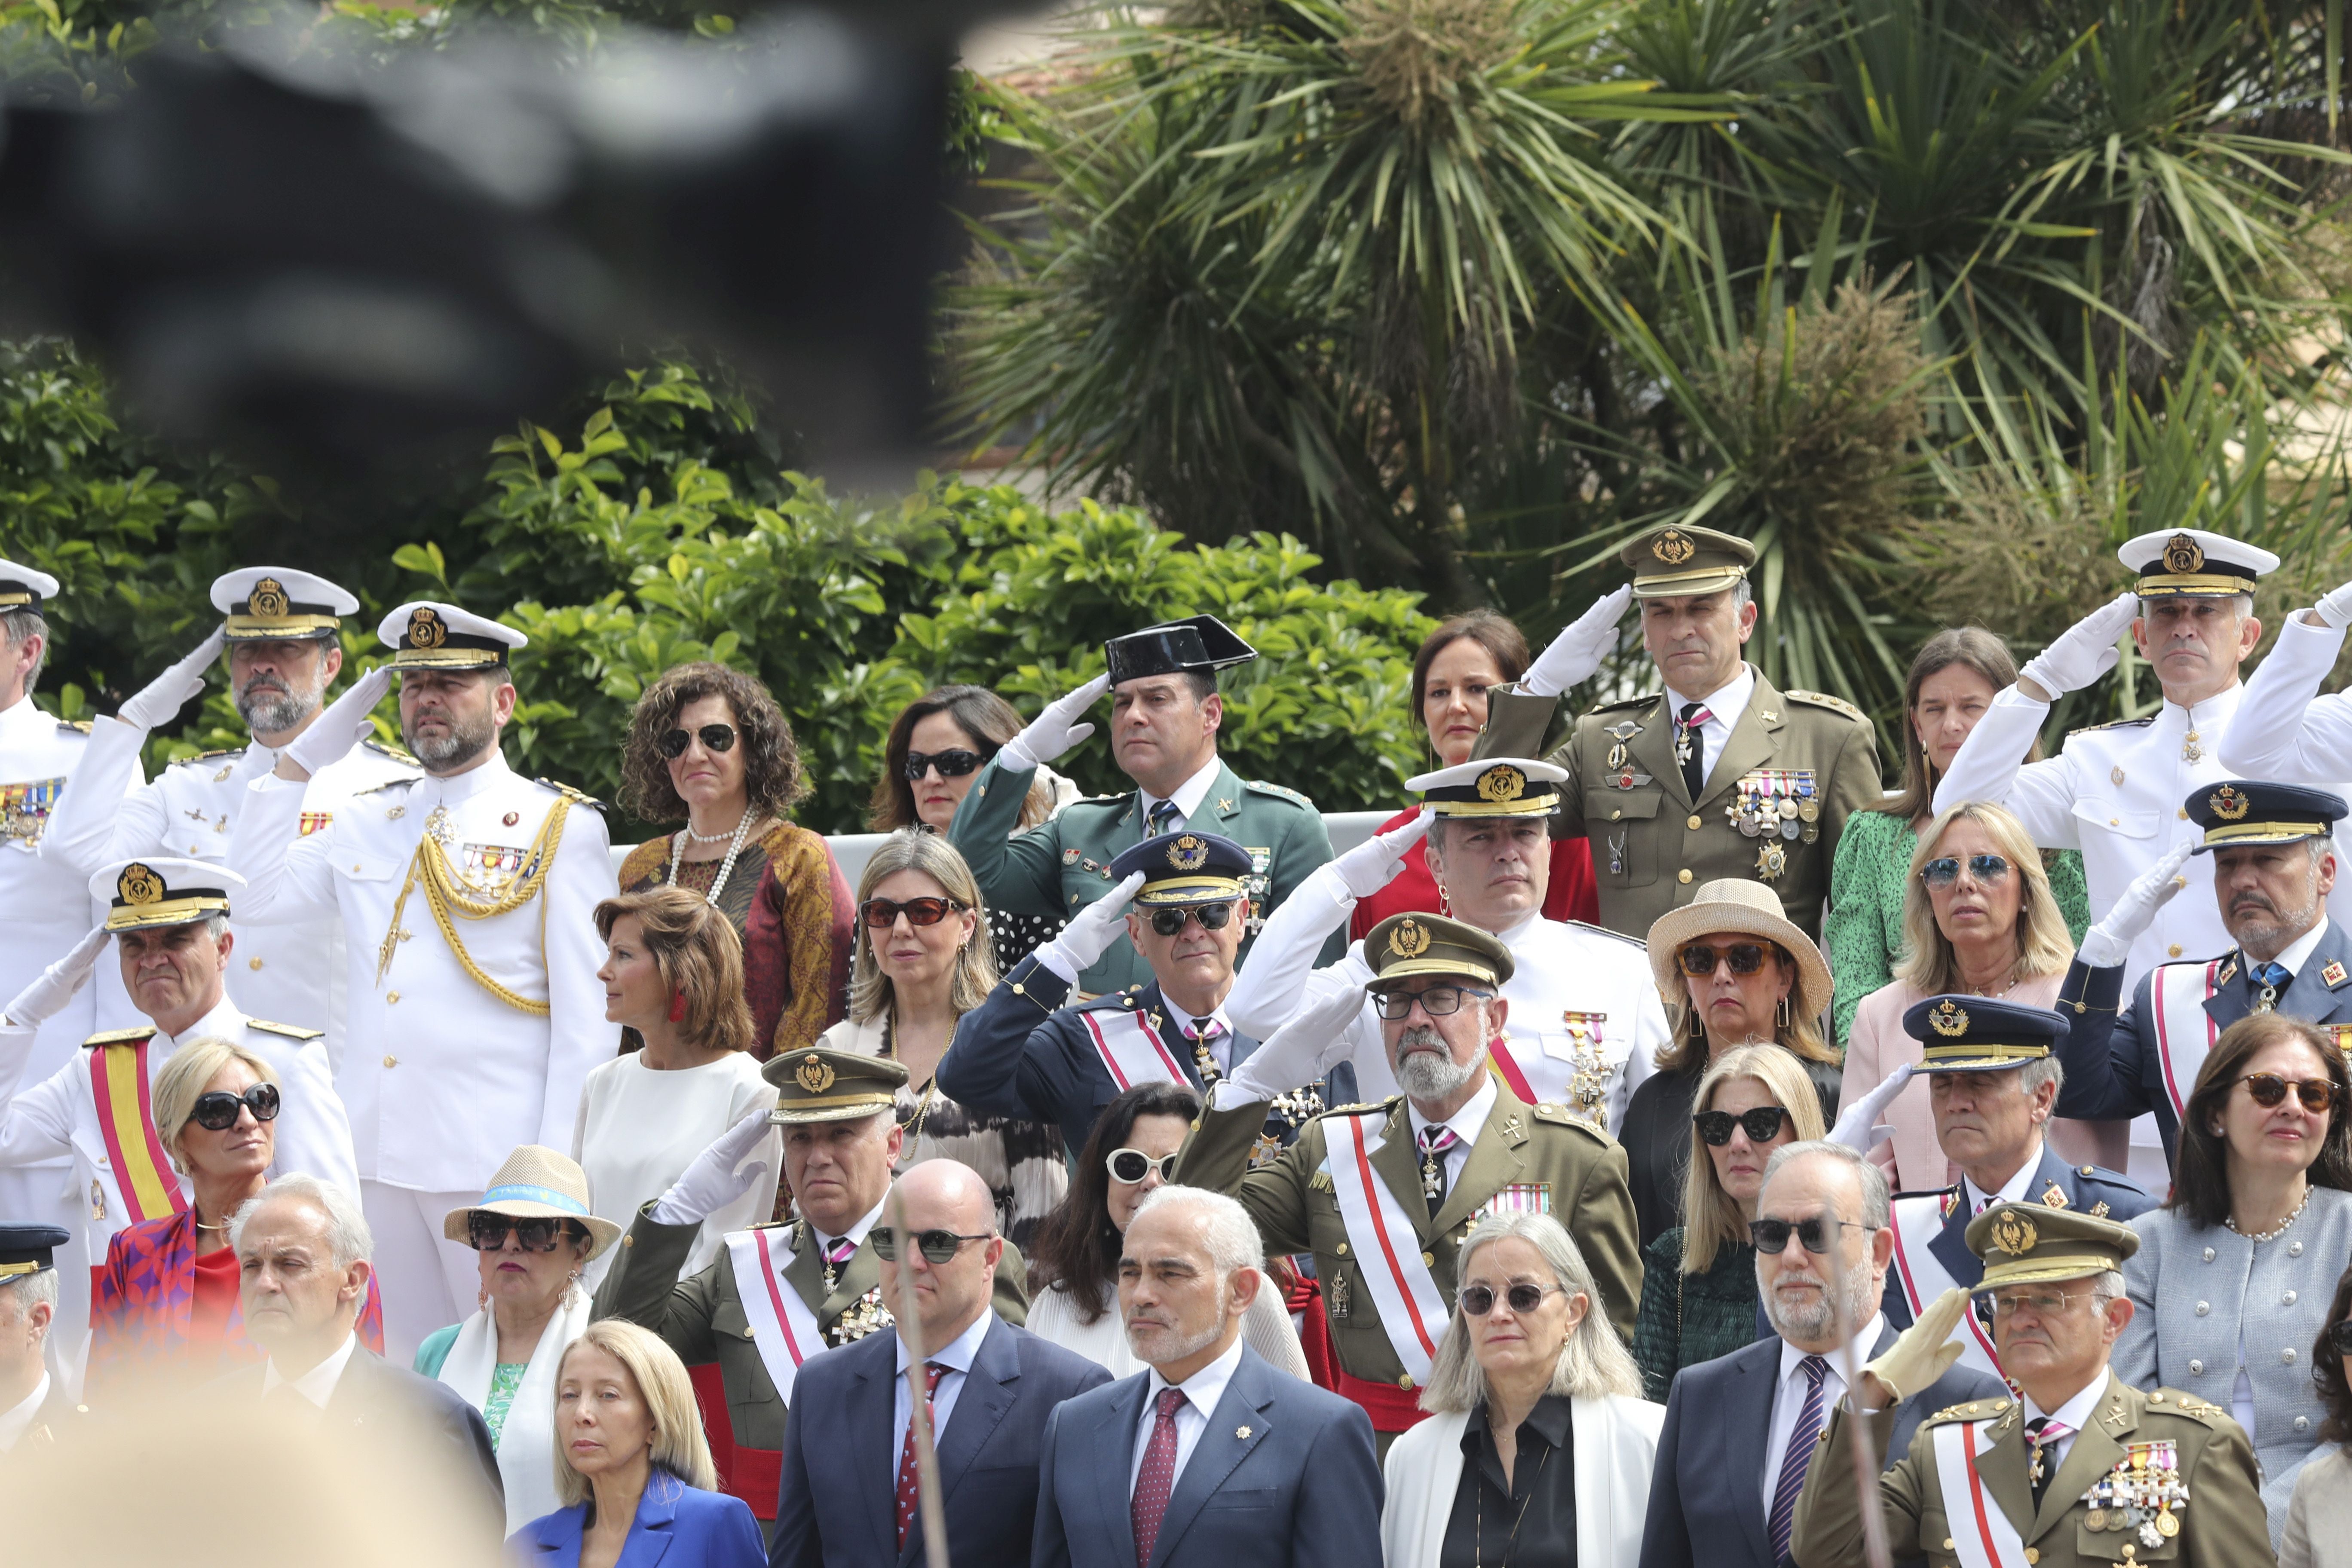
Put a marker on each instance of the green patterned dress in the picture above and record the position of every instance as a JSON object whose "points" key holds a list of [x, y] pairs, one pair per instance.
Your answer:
{"points": [[1686, 1318]]}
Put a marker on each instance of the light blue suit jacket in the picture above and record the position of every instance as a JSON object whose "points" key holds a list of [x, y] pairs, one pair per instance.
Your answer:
{"points": [[677, 1525]]}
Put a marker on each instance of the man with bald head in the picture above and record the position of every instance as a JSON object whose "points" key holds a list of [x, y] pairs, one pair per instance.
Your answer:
{"points": [[849, 1491]]}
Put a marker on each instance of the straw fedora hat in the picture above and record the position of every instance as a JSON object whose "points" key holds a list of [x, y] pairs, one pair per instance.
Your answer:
{"points": [[537, 1183], [1751, 909]]}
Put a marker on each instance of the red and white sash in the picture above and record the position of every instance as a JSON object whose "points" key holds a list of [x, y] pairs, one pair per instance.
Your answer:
{"points": [[1131, 1049], [782, 1324], [1386, 1246], [1983, 1535], [2185, 1031], [1513, 1076], [1924, 1278]]}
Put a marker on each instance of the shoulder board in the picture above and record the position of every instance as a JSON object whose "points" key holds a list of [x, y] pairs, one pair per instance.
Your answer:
{"points": [[291, 1031], [213, 756], [575, 796], [1262, 787], [395, 752], [1552, 1114], [1974, 1410], [2105, 1177], [1937, 1192], [2189, 1404], [387, 783], [78, 726], [1823, 699], [1604, 930], [1385, 1106], [2141, 723], [1642, 701], [1109, 1002], [122, 1037]]}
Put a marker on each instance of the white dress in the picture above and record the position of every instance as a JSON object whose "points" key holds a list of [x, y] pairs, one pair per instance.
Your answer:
{"points": [[1265, 1325], [639, 1130]]}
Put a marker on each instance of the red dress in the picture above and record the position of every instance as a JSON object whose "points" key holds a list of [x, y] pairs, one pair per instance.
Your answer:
{"points": [[1573, 894]]}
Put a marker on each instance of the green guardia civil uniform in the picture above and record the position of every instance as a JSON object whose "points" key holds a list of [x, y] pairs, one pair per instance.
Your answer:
{"points": [[1774, 800]]}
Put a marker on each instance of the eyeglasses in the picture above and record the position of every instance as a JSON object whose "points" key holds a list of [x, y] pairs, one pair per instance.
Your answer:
{"points": [[1699, 960], [936, 1246], [952, 764], [1477, 1301], [714, 737], [1944, 870], [486, 1230], [881, 914], [2339, 1338], [1772, 1235], [1761, 1124], [1212, 917], [2269, 1089], [1438, 1001], [217, 1111], [2041, 1303], [1132, 1165]]}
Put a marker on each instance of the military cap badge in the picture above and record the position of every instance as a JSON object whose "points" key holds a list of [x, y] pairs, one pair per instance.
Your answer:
{"points": [[2229, 803], [139, 885], [1409, 939], [2182, 555], [1949, 1020], [1673, 547], [1186, 853], [424, 628], [268, 598], [2014, 1234], [813, 1075], [1502, 784]]}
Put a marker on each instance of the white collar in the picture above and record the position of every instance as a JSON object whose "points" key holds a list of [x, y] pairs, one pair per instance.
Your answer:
{"points": [[488, 774], [24, 711], [959, 1352], [2298, 952], [225, 1020], [1727, 702], [1204, 1387], [856, 1232], [318, 1384], [2013, 1191], [16, 1421], [1859, 1347], [2075, 1412], [1465, 1121], [1189, 794], [2213, 710]]}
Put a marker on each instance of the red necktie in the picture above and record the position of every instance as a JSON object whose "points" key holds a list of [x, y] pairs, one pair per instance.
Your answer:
{"points": [[1157, 1478], [907, 1471]]}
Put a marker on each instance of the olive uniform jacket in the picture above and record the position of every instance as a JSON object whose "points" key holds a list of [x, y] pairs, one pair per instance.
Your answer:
{"points": [[2221, 1525], [1582, 1174], [1064, 863], [1653, 846]]}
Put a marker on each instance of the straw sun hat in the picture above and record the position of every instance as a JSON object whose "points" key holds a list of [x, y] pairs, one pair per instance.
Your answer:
{"points": [[1748, 909], [537, 1183]]}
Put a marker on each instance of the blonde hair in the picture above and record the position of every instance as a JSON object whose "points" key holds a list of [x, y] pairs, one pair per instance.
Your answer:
{"points": [[1687, 1044], [1711, 1216], [2045, 946], [1593, 1363], [182, 1083], [697, 952], [920, 849], [678, 1445]]}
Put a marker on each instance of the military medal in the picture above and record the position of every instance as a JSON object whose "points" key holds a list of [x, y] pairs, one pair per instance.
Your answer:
{"points": [[1432, 1175], [1617, 853], [1771, 860], [2190, 751]]}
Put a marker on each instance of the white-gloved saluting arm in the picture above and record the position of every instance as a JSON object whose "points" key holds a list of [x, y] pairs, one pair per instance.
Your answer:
{"points": [[1091, 932], [2109, 941], [1919, 1355], [1055, 730], [1574, 656], [55, 986], [1273, 981], [734, 1165], [1858, 1127], [1318, 1037], [333, 734], [2082, 652], [161, 700]]}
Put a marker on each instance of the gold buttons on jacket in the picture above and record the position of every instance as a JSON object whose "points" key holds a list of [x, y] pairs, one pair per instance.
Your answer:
{"points": [[392, 997], [1694, 823], [1429, 1260], [391, 1061], [2174, 951], [253, 963], [1683, 875]]}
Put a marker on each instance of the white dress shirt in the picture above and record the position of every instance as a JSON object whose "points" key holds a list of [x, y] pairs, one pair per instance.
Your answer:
{"points": [[318, 1384], [2075, 1412], [1789, 1396], [2016, 1190], [1465, 1123], [17, 1420], [1201, 1392], [1188, 796], [1725, 705], [2298, 952], [956, 1358]]}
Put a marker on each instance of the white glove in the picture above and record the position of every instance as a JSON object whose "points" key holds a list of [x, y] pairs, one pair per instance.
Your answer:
{"points": [[2336, 608], [161, 700], [2105, 944], [2083, 651], [1090, 932], [1373, 864], [38, 1003], [1858, 1127], [1053, 731], [726, 1170], [1923, 1352], [1312, 1042], [343, 723], [1576, 652]]}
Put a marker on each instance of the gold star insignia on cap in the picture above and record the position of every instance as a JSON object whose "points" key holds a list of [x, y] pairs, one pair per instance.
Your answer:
{"points": [[1409, 939], [2181, 554], [813, 1075], [138, 885], [2229, 804], [2014, 1234], [424, 628], [1186, 853], [1501, 783], [1949, 1020], [1673, 548]]}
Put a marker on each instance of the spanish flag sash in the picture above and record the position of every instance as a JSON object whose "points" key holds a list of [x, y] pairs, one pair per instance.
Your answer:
{"points": [[1413, 1311], [1983, 1535], [143, 1172], [1131, 1051], [1922, 1276]]}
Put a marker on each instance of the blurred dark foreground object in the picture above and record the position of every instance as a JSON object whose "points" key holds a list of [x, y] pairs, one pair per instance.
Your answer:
{"points": [[340, 268]]}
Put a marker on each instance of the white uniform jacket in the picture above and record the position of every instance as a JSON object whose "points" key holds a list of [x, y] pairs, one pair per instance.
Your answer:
{"points": [[2287, 733], [293, 974], [1584, 1027], [444, 1078], [58, 1115]]}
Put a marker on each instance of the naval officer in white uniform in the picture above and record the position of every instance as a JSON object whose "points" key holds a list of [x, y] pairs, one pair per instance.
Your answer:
{"points": [[281, 631], [466, 894], [1584, 1024], [2285, 731]]}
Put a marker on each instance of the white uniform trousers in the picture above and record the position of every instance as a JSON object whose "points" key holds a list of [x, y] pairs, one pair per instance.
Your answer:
{"points": [[426, 1281]]}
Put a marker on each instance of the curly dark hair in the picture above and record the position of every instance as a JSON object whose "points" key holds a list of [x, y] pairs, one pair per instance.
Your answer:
{"points": [[1076, 1246], [772, 758], [2201, 1186], [2328, 1369]]}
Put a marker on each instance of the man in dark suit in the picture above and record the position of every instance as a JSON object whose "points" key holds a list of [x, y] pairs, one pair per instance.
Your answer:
{"points": [[1212, 1458], [1769, 1402], [302, 1252], [848, 1496]]}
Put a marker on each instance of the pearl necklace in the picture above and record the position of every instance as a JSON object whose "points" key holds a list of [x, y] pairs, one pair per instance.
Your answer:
{"points": [[725, 866], [2275, 1231]]}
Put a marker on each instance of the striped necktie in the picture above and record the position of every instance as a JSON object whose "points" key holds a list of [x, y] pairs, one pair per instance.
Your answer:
{"points": [[1161, 818], [1690, 747], [1802, 1443], [2044, 1433]]}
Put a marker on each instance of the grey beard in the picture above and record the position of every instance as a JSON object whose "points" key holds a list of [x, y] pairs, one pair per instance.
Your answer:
{"points": [[1813, 1323], [2278, 934], [1193, 1345], [1432, 1074], [467, 739], [270, 712]]}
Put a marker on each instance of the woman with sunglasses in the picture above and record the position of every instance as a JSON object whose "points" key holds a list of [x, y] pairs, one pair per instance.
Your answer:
{"points": [[1734, 971], [1074, 1266], [2319, 1518], [1698, 1280], [709, 747], [533, 1234], [1980, 918], [2232, 1282], [168, 1293], [922, 963], [1539, 1445], [1953, 680], [936, 747]]}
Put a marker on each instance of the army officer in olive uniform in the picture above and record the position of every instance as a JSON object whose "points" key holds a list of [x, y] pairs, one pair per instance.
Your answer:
{"points": [[1382, 1194], [1720, 774], [2083, 1468], [1165, 714]]}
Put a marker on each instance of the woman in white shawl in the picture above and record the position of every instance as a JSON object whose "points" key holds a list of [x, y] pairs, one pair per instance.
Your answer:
{"points": [[535, 1233], [1527, 1368]]}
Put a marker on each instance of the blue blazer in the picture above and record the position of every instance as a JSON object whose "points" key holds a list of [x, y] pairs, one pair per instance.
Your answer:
{"points": [[1705, 1486], [677, 1525], [1284, 1476], [837, 1505], [2112, 1068]]}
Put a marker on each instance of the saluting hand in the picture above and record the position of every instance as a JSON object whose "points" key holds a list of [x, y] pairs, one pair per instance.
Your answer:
{"points": [[2105, 944], [1313, 1041], [2335, 609], [2083, 651], [161, 700], [1919, 1355], [1054, 731], [1579, 647], [1090, 932], [56, 985], [1858, 1127], [335, 732], [1373, 864], [722, 1173]]}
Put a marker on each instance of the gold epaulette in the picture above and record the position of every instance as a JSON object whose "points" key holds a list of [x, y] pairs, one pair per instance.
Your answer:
{"points": [[1363, 1110], [576, 797], [1834, 704], [1644, 700], [213, 756], [2113, 724], [2187, 1404], [291, 1031], [1974, 1410], [383, 783], [1556, 1115], [79, 726], [122, 1037], [395, 752]]}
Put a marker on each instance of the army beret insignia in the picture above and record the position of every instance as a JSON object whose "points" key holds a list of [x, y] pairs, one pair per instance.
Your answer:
{"points": [[1409, 939], [2014, 1234], [1951, 1019], [2182, 555], [813, 1075], [2229, 804]]}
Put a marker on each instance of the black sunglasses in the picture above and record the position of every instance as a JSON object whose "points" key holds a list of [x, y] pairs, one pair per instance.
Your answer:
{"points": [[1698, 959], [1772, 1235], [952, 764], [937, 1245], [486, 1230], [1438, 1001], [1477, 1301], [1762, 1124], [2339, 1338], [2269, 1088], [1132, 1165], [883, 913], [714, 737], [1212, 917], [217, 1111], [1943, 871]]}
